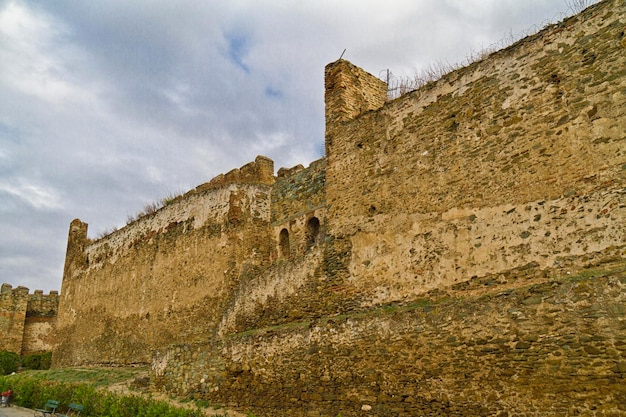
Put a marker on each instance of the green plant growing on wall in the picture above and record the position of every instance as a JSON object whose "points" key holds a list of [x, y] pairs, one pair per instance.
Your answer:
{"points": [[170, 199]]}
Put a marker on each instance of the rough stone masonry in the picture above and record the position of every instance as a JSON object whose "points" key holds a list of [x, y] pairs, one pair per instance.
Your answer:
{"points": [[459, 251]]}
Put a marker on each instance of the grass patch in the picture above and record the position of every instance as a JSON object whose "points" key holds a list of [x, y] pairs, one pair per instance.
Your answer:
{"points": [[97, 377], [595, 273], [430, 303], [387, 309]]}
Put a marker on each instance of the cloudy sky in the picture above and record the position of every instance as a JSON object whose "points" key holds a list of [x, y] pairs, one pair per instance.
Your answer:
{"points": [[106, 106]]}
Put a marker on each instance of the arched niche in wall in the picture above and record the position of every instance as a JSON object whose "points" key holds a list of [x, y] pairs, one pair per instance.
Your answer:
{"points": [[283, 243], [312, 231]]}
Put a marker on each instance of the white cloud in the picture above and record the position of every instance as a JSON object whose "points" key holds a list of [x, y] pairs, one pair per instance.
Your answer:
{"points": [[37, 196], [34, 55]]}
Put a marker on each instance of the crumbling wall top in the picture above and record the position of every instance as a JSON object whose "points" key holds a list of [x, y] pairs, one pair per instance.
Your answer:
{"points": [[259, 171]]}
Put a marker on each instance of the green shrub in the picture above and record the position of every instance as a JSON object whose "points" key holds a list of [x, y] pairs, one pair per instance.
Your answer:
{"points": [[9, 362], [32, 392], [46, 360], [31, 361], [37, 361]]}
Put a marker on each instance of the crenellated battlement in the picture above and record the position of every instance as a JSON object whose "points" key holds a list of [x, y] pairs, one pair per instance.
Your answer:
{"points": [[43, 305], [38, 297], [26, 320]]}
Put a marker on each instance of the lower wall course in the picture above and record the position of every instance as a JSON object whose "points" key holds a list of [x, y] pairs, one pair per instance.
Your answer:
{"points": [[548, 348]]}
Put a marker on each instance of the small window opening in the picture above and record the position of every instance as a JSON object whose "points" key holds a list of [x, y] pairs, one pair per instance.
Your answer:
{"points": [[312, 231], [283, 243]]}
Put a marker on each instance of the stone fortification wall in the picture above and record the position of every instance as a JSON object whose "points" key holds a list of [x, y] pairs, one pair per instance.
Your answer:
{"points": [[298, 196], [298, 191], [473, 253], [13, 305], [290, 288], [519, 158], [40, 323], [529, 342], [170, 273], [27, 321], [260, 171], [287, 291], [350, 91], [459, 251]]}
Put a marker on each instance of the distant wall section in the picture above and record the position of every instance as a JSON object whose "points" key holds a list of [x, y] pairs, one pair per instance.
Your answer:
{"points": [[169, 273], [27, 321], [40, 324], [13, 305]]}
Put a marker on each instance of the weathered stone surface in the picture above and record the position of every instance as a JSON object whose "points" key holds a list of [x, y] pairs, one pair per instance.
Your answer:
{"points": [[27, 321], [459, 251]]}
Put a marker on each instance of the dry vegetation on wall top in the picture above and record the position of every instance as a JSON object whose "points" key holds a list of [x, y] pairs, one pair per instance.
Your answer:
{"points": [[400, 85], [148, 209], [459, 251]]}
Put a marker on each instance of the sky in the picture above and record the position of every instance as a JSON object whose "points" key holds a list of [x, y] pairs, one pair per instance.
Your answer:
{"points": [[107, 106]]}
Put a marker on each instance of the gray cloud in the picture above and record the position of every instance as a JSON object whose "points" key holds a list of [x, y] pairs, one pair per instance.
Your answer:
{"points": [[106, 106]]}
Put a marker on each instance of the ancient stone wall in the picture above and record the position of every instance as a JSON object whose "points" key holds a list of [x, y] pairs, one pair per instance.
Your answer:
{"points": [[350, 91], [530, 342], [13, 304], [519, 158], [298, 201], [473, 253], [459, 251], [541, 349], [27, 321], [169, 273], [40, 323], [298, 191]]}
